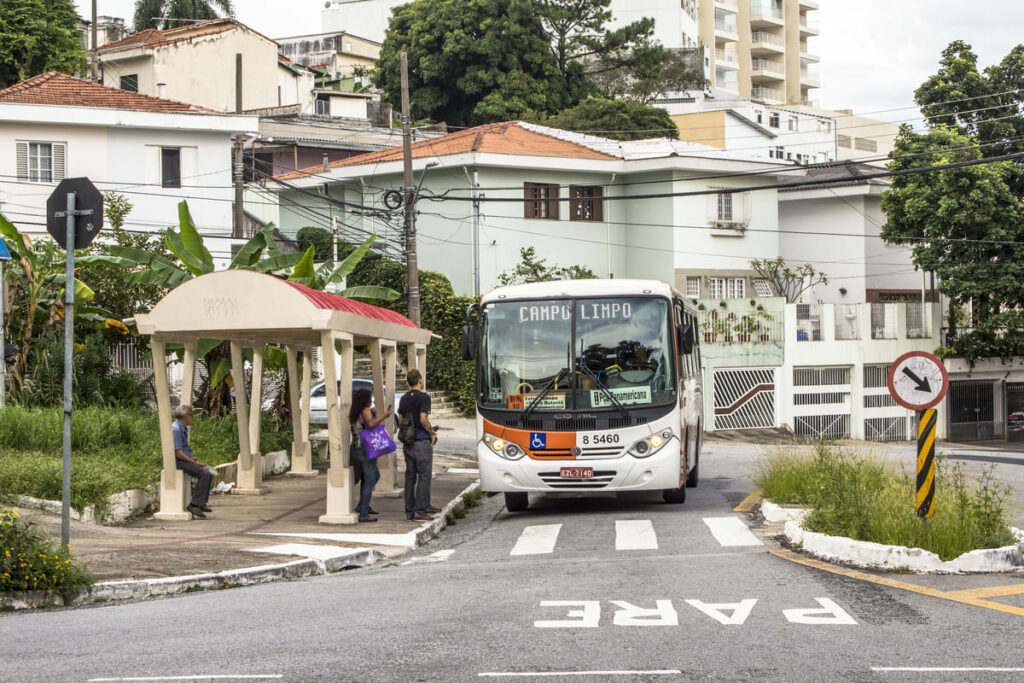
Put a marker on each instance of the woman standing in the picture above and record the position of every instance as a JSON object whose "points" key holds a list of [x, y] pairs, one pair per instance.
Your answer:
{"points": [[361, 417]]}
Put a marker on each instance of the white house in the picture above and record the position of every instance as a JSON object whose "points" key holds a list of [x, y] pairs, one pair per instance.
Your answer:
{"points": [[153, 151], [204, 63], [621, 209]]}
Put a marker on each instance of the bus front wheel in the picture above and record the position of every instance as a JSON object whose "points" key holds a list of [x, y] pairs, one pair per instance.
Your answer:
{"points": [[674, 496], [516, 501]]}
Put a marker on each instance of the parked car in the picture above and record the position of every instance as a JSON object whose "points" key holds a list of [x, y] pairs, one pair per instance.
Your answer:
{"points": [[318, 399], [1015, 421]]}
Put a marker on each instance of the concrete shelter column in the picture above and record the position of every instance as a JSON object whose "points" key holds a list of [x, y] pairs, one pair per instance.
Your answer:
{"points": [[421, 362], [340, 501], [383, 389], [171, 482], [301, 465], [255, 403], [187, 389], [249, 469], [304, 393], [390, 351]]}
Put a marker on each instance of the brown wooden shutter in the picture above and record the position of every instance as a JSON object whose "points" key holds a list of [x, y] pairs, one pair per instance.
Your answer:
{"points": [[597, 205], [552, 192]]}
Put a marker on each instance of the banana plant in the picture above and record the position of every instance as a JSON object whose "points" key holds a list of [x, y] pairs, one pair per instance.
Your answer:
{"points": [[329, 273], [36, 282]]}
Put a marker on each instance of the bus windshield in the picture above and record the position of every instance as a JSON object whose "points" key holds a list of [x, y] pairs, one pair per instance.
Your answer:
{"points": [[576, 354]]}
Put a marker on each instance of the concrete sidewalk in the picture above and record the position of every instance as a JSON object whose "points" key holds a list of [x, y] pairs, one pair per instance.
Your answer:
{"points": [[246, 531]]}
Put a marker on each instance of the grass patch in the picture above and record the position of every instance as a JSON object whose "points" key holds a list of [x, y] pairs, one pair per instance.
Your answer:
{"points": [[473, 498], [855, 495], [31, 562], [458, 513], [112, 450]]}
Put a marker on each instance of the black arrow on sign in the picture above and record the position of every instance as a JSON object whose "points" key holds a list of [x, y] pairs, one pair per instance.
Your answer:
{"points": [[922, 384]]}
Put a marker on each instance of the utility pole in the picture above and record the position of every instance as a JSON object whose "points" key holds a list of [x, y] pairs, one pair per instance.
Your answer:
{"points": [[238, 161], [409, 201], [476, 234], [95, 46]]}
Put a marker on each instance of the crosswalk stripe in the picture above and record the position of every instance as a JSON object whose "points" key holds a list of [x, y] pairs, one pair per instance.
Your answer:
{"points": [[537, 540], [731, 531], [635, 534]]}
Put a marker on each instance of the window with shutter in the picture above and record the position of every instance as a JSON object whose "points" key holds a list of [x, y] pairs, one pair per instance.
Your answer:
{"points": [[58, 150], [693, 286], [170, 167], [39, 162], [540, 200], [130, 82], [585, 203], [21, 160]]}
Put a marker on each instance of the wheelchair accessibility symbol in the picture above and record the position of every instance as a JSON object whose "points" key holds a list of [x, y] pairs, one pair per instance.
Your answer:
{"points": [[538, 440]]}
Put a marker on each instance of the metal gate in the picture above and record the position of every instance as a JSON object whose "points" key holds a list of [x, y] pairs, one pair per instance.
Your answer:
{"points": [[821, 402], [972, 411], [1015, 411], [744, 399]]}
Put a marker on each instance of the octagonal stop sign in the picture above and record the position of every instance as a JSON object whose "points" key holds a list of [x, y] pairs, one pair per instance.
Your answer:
{"points": [[87, 198]]}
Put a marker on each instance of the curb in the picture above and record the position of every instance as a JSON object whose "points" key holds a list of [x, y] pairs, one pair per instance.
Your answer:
{"points": [[140, 589], [868, 555]]}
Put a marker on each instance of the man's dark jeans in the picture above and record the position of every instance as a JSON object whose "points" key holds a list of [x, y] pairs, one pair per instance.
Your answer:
{"points": [[367, 476], [418, 462], [201, 489]]}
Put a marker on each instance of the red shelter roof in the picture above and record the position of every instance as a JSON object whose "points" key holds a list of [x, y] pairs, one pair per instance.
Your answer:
{"points": [[327, 301]]}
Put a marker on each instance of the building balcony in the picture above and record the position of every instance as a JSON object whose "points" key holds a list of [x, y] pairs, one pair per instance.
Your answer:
{"points": [[809, 78], [764, 15], [806, 55], [729, 5], [809, 4], [762, 43], [808, 27], [726, 31], [763, 69], [770, 95], [726, 59]]}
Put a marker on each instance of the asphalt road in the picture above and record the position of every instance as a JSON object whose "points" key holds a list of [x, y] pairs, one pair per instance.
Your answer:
{"points": [[584, 589]]}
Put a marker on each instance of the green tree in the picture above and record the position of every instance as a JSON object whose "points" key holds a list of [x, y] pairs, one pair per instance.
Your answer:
{"points": [[471, 61], [37, 36], [622, 62], [616, 119], [156, 13], [533, 269], [967, 226], [318, 238]]}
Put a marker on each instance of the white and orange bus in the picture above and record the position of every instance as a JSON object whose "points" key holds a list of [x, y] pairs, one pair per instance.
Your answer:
{"points": [[586, 385]]}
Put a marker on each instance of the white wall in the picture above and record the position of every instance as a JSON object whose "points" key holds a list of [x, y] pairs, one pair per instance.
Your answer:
{"points": [[368, 19]]}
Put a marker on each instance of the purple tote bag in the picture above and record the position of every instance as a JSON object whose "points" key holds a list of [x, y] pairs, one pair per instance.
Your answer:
{"points": [[376, 442]]}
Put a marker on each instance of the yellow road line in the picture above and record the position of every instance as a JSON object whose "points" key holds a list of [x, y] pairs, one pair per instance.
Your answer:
{"points": [[965, 597], [991, 591], [748, 503]]}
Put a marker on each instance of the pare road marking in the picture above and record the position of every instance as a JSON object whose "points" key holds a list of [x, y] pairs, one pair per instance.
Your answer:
{"points": [[973, 596], [587, 613], [539, 539], [439, 556]]}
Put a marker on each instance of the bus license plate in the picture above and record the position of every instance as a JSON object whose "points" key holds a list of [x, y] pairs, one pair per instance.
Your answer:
{"points": [[577, 472]]}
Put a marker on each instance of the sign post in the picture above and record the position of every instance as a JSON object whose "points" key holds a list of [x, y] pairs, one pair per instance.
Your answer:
{"points": [[72, 228], [4, 256], [919, 381]]}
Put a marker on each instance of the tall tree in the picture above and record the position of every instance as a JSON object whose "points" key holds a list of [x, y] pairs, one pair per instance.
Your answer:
{"points": [[616, 119], [471, 61], [37, 36], [157, 13]]}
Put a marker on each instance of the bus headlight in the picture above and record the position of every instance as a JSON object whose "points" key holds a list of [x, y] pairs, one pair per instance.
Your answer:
{"points": [[645, 448], [502, 448]]}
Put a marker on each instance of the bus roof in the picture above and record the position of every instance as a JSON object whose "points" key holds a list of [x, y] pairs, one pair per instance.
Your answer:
{"points": [[573, 288]]}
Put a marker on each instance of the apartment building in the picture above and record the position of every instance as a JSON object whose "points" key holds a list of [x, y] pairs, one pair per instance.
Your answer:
{"points": [[760, 48]]}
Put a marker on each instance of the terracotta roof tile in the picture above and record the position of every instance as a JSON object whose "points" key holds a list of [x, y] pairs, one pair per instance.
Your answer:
{"points": [[495, 138], [152, 38], [60, 89]]}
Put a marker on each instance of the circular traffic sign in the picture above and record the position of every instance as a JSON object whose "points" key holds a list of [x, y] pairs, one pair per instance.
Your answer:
{"points": [[918, 380]]}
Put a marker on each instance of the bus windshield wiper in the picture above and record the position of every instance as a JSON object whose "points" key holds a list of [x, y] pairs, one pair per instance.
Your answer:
{"points": [[622, 409], [544, 392]]}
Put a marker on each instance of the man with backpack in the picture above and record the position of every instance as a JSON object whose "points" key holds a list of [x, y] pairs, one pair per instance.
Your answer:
{"points": [[418, 438]]}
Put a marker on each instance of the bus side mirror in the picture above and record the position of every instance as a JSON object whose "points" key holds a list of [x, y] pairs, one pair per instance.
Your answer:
{"points": [[468, 346], [687, 339]]}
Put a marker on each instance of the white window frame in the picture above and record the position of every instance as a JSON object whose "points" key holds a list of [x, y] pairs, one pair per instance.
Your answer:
{"points": [[693, 286], [794, 124], [762, 288], [716, 287], [725, 206], [774, 119], [30, 156], [735, 288]]}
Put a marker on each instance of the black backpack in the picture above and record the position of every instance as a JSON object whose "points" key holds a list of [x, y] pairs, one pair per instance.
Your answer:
{"points": [[407, 431]]}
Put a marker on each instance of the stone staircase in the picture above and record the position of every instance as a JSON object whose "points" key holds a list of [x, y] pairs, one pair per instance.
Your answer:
{"points": [[441, 407]]}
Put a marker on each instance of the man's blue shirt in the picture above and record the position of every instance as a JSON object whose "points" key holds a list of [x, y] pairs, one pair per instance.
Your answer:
{"points": [[181, 438]]}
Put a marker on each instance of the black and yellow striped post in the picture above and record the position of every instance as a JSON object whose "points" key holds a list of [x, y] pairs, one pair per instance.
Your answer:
{"points": [[926, 421]]}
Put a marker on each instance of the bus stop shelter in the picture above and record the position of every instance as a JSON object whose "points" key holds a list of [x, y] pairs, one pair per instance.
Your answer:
{"points": [[251, 310]]}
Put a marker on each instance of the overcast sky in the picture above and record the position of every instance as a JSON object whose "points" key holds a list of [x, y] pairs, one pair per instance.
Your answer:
{"points": [[874, 53]]}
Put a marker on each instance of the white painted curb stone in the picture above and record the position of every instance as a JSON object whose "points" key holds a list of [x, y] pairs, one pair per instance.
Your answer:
{"points": [[867, 555]]}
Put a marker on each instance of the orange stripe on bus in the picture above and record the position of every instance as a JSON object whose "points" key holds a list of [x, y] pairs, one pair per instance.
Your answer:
{"points": [[562, 442]]}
